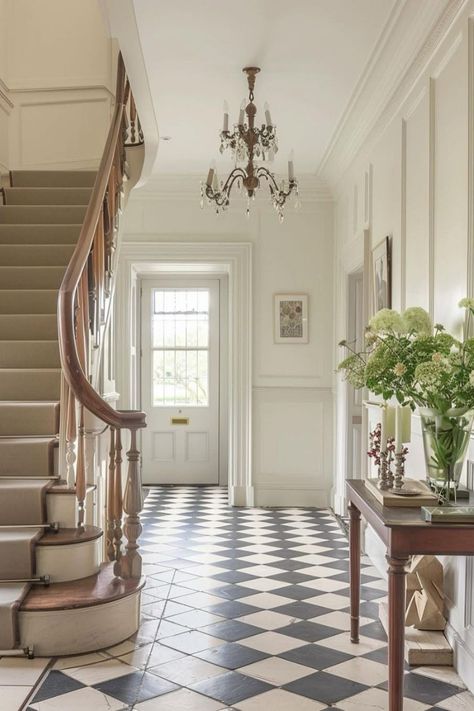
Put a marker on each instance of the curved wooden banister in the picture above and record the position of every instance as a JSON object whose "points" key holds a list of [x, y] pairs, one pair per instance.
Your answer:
{"points": [[71, 365], [84, 301]]}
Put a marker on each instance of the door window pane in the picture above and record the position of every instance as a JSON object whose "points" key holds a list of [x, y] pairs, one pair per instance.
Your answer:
{"points": [[180, 342]]}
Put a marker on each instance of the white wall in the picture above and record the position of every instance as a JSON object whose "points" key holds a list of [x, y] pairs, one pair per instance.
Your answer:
{"points": [[292, 410], [56, 77], [413, 179]]}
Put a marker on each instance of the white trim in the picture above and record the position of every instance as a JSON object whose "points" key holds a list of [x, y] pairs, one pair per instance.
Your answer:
{"points": [[412, 34], [234, 259]]}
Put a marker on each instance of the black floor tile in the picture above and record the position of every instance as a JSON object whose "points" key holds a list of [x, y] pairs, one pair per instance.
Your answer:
{"points": [[308, 631], [324, 687], [314, 656], [231, 688], [231, 630], [232, 655], [136, 687], [56, 683]]}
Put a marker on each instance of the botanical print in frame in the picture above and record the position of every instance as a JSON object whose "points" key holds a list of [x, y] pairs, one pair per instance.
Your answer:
{"points": [[381, 275], [291, 318]]}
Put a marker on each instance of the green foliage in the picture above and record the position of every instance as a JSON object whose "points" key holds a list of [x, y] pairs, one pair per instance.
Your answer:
{"points": [[420, 365]]}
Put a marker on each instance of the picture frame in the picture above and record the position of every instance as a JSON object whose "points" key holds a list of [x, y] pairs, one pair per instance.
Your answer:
{"points": [[382, 275], [290, 318]]}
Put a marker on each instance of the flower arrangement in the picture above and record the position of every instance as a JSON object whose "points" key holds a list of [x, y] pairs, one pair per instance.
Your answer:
{"points": [[421, 365]]}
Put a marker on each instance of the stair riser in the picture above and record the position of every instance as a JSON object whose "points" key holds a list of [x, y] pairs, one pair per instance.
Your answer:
{"points": [[31, 277], [62, 508], [52, 178], [29, 354], [29, 385], [28, 419], [25, 301], [86, 629], [17, 327], [39, 234], [21, 458], [47, 196], [35, 256], [42, 214], [69, 562]]}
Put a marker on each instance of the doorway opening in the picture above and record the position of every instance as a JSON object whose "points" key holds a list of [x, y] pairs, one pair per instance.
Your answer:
{"points": [[231, 263], [183, 377]]}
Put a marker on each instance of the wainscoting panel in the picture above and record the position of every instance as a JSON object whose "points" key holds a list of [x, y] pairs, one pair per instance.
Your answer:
{"points": [[292, 446], [416, 192], [450, 181]]}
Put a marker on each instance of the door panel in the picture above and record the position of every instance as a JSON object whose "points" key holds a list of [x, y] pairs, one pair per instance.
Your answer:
{"points": [[180, 380]]}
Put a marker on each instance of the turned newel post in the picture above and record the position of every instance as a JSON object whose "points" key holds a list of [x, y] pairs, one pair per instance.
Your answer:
{"points": [[130, 564]]}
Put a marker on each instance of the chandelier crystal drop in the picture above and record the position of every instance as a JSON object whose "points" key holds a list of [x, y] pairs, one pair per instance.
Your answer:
{"points": [[248, 143]]}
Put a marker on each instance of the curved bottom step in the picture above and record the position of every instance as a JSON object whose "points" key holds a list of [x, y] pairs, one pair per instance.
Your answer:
{"points": [[81, 616]]}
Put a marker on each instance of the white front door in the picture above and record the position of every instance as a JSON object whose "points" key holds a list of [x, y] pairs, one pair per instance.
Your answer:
{"points": [[180, 380]]}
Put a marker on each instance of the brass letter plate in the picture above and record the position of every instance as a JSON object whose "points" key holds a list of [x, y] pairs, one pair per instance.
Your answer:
{"points": [[180, 420]]}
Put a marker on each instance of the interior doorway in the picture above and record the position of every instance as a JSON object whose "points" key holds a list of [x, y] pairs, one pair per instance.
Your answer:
{"points": [[183, 325]]}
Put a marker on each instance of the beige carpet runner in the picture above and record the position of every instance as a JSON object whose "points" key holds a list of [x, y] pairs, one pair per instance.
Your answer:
{"points": [[39, 225]]}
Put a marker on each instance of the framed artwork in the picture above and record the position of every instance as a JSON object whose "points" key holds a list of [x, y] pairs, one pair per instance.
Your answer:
{"points": [[291, 318], [381, 275]]}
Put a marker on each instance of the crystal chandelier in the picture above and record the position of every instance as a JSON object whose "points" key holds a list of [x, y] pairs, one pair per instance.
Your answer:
{"points": [[246, 143]]}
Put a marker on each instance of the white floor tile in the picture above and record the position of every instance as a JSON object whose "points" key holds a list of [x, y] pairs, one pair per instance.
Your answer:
{"points": [[342, 643], [376, 700], [96, 673], [182, 700], [266, 600], [360, 670], [272, 642], [279, 700], [16, 671], [276, 671], [267, 619]]}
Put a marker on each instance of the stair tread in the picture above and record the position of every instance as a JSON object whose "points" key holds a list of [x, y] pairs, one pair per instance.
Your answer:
{"points": [[68, 536], [65, 489], [97, 589]]}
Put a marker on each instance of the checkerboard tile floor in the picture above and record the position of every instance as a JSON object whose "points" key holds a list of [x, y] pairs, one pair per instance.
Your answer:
{"points": [[244, 609]]}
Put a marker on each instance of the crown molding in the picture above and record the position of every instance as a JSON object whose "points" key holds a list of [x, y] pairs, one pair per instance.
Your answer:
{"points": [[174, 186], [413, 32]]}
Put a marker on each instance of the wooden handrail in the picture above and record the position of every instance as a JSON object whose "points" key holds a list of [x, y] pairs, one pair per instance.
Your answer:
{"points": [[77, 379], [84, 301]]}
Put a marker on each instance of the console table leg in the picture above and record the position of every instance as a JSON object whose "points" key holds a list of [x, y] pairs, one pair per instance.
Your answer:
{"points": [[354, 545], [396, 630]]}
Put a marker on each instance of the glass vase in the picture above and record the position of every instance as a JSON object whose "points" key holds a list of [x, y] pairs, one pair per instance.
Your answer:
{"points": [[445, 440]]}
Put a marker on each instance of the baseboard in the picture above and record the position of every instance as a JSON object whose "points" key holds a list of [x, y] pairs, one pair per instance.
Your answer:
{"points": [[287, 497], [463, 656], [376, 551], [241, 496]]}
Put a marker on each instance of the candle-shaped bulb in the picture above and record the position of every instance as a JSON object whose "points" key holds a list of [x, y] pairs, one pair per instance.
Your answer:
{"points": [[291, 167], [210, 175], [225, 126], [242, 112], [268, 116]]}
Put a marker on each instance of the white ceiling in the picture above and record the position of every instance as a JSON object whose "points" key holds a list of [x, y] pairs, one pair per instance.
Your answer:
{"points": [[311, 52]]}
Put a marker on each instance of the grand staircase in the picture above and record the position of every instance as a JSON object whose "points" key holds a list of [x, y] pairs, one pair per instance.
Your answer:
{"points": [[63, 589]]}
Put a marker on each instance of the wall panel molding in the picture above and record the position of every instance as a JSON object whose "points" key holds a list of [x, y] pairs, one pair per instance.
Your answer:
{"points": [[407, 45]]}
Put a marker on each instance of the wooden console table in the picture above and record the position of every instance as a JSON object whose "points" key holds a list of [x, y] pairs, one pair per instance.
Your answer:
{"points": [[405, 534]]}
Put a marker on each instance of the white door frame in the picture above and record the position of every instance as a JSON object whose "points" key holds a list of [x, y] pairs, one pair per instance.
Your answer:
{"points": [[234, 259]]}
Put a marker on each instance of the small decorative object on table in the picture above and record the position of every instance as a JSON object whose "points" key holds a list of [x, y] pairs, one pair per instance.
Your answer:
{"points": [[424, 367], [448, 514], [386, 443]]}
